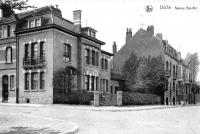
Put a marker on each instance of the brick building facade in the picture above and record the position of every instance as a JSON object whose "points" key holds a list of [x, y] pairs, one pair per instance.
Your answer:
{"points": [[144, 43], [45, 43]]}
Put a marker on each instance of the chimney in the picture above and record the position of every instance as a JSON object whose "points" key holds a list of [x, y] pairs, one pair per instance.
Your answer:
{"points": [[150, 29], [77, 20], [159, 36], [128, 34], [114, 48]]}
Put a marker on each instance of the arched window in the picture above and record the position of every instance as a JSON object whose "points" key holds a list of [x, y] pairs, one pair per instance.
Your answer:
{"points": [[8, 54], [67, 52], [167, 65]]}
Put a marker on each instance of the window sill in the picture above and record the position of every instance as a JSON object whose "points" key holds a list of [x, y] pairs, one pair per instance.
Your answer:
{"points": [[13, 89], [7, 38], [36, 90], [67, 62], [8, 62], [91, 65]]}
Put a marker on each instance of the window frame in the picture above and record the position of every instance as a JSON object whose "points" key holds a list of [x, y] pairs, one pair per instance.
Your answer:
{"points": [[12, 82], [6, 55]]}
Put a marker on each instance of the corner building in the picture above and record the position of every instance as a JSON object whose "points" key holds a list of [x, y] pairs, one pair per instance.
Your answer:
{"points": [[46, 43]]}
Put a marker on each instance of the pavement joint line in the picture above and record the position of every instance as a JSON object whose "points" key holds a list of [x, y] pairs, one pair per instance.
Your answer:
{"points": [[71, 131]]}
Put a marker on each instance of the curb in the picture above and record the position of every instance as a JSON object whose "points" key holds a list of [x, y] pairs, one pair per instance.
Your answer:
{"points": [[74, 130], [129, 110]]}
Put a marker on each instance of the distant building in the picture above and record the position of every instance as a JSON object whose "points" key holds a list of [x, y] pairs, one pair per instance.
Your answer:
{"points": [[45, 43], [144, 43]]}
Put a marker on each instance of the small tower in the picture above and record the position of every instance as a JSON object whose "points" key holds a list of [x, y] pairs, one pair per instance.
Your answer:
{"points": [[128, 34]]}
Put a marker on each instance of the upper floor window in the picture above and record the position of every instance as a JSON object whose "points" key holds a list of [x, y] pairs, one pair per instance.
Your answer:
{"points": [[42, 80], [34, 50], [8, 54], [93, 57], [42, 52], [87, 56], [38, 22], [167, 65], [104, 64], [34, 23], [67, 52]]}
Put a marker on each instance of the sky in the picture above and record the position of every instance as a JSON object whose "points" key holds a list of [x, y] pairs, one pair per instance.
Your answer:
{"points": [[110, 18]]}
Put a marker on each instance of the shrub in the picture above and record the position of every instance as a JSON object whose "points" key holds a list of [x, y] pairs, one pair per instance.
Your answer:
{"points": [[132, 98]]}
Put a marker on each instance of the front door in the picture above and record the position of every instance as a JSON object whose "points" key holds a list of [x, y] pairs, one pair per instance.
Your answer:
{"points": [[5, 88]]}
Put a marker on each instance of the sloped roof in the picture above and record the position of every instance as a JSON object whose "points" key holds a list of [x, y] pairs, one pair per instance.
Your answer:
{"points": [[142, 43]]}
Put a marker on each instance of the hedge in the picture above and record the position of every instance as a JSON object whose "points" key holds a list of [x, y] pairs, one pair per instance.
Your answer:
{"points": [[79, 97], [132, 98]]}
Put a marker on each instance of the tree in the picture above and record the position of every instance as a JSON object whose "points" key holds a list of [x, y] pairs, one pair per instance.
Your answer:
{"points": [[192, 62], [145, 74], [129, 70], [15, 4]]}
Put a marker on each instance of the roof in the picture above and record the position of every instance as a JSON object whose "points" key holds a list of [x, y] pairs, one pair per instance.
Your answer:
{"points": [[107, 53], [143, 43]]}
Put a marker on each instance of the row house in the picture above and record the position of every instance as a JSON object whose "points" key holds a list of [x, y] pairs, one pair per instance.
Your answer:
{"points": [[44, 43]]}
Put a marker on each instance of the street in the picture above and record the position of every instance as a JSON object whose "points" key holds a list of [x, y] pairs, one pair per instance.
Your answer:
{"points": [[175, 120]]}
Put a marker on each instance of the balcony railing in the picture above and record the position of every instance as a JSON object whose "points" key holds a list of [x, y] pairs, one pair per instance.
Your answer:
{"points": [[36, 62]]}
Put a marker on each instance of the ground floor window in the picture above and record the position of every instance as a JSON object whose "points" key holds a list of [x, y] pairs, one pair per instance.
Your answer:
{"points": [[26, 81], [42, 84], [86, 82], [12, 82], [34, 80]]}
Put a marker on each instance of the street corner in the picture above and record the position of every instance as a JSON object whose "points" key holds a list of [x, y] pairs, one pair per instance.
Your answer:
{"points": [[18, 124]]}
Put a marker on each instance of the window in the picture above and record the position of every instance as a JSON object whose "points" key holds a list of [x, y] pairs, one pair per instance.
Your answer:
{"points": [[87, 56], [86, 82], [93, 57], [12, 82], [8, 31], [67, 53], [106, 64], [8, 54], [34, 81], [27, 56], [34, 51], [92, 83], [106, 85], [97, 83], [102, 63], [42, 80], [42, 53], [31, 24], [97, 59], [4, 31], [167, 66], [12, 30], [26, 81], [38, 22]]}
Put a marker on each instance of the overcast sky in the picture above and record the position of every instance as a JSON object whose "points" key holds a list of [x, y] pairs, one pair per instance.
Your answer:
{"points": [[111, 18]]}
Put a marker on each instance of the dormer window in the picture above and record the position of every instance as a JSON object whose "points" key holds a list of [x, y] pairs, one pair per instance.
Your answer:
{"points": [[34, 23], [38, 22]]}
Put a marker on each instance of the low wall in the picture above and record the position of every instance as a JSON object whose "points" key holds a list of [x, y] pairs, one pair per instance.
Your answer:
{"points": [[132, 98], [107, 99], [197, 98]]}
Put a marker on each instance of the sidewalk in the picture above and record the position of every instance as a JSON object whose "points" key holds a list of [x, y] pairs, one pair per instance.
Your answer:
{"points": [[100, 108]]}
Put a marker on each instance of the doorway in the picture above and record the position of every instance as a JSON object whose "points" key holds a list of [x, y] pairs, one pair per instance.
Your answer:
{"points": [[5, 88], [166, 101]]}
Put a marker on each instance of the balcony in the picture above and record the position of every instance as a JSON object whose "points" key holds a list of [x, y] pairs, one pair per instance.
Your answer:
{"points": [[167, 73], [36, 62]]}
